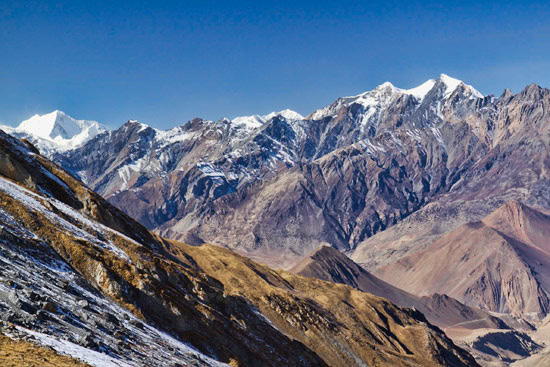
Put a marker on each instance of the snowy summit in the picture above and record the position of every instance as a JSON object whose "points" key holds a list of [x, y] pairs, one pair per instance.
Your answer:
{"points": [[255, 121], [57, 131], [373, 100]]}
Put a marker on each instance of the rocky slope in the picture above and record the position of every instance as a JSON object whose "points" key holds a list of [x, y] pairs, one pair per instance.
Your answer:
{"points": [[344, 326], [498, 264], [330, 264], [81, 277]]}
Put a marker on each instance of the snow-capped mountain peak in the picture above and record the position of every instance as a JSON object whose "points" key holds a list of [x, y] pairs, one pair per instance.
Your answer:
{"points": [[382, 95], [252, 121], [421, 91], [451, 84], [57, 131], [386, 85], [56, 125], [255, 121], [287, 114]]}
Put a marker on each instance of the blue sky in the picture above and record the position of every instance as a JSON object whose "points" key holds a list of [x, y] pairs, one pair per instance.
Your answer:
{"points": [[164, 62]]}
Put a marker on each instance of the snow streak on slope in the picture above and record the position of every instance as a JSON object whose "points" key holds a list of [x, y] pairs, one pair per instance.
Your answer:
{"points": [[32, 202]]}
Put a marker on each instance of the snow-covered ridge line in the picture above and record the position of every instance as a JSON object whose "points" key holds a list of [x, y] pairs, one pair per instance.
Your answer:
{"points": [[59, 132], [255, 121], [375, 100], [420, 91]]}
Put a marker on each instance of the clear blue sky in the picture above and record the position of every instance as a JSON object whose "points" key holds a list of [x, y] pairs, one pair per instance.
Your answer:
{"points": [[164, 62]]}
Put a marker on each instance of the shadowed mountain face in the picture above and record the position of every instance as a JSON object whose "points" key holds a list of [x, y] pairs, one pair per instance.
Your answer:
{"points": [[277, 189], [331, 265], [82, 277], [500, 263]]}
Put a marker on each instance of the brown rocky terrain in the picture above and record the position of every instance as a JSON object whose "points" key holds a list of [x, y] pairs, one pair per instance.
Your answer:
{"points": [[330, 264], [497, 264], [344, 326]]}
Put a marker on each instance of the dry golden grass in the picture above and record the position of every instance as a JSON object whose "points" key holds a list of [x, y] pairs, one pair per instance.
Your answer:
{"points": [[334, 320], [25, 354]]}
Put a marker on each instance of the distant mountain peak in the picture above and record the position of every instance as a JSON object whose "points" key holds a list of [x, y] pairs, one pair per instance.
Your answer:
{"points": [[383, 94], [58, 131], [386, 84], [452, 84], [255, 121], [56, 125], [286, 113]]}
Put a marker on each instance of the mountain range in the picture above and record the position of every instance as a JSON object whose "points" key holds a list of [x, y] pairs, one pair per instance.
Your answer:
{"points": [[84, 279], [277, 187], [435, 198]]}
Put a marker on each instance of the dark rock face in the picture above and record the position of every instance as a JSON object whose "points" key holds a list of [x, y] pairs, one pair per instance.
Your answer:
{"points": [[508, 346], [345, 173]]}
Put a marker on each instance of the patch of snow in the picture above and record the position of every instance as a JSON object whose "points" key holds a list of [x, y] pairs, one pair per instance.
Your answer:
{"points": [[7, 129], [175, 135], [76, 351], [437, 134], [209, 170], [420, 91]]}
